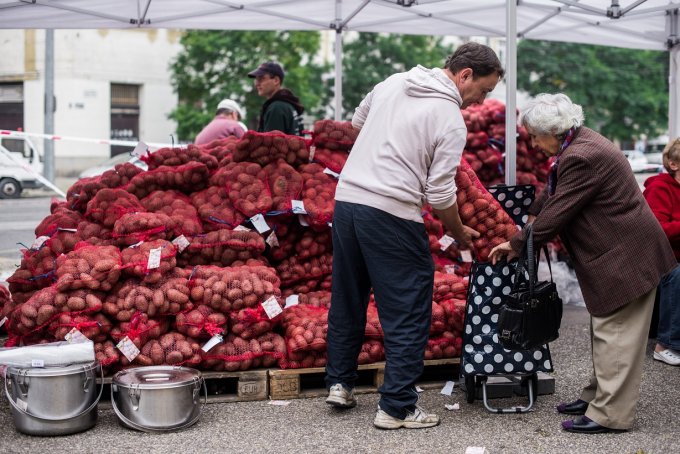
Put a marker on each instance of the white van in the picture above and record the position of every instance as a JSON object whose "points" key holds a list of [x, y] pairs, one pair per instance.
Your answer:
{"points": [[19, 161]]}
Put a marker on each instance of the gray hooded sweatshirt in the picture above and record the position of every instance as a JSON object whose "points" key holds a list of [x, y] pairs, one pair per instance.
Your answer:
{"points": [[410, 145]]}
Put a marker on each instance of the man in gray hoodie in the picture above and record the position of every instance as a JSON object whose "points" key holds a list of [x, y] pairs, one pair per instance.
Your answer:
{"points": [[410, 145]]}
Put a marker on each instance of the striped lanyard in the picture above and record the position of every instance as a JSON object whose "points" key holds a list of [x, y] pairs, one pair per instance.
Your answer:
{"points": [[552, 176]]}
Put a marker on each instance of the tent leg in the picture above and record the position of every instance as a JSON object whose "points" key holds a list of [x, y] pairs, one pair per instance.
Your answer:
{"points": [[511, 98]]}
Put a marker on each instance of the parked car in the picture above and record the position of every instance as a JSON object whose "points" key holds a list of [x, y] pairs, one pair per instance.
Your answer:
{"points": [[639, 163], [111, 163]]}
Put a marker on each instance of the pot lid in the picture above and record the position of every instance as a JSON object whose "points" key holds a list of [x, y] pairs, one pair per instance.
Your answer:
{"points": [[52, 371], [156, 376]]}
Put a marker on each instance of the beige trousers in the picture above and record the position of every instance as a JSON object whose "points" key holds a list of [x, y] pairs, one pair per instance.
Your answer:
{"points": [[619, 341]]}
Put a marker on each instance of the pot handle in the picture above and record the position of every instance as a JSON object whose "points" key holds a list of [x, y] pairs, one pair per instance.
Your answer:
{"points": [[139, 427], [94, 404]]}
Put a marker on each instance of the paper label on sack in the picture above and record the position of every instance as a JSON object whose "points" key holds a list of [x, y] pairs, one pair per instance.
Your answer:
{"points": [[303, 221], [272, 240], [450, 269], [39, 242], [312, 150], [61, 229], [292, 300], [140, 150], [181, 243], [259, 223], [448, 388], [75, 337], [466, 256], [37, 363], [128, 349], [154, 258], [241, 228], [445, 242], [298, 206], [2, 322], [137, 244], [22, 404], [271, 307], [328, 171], [216, 339], [450, 407]]}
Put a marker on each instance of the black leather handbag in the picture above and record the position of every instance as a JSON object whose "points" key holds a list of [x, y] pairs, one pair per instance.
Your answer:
{"points": [[532, 312]]}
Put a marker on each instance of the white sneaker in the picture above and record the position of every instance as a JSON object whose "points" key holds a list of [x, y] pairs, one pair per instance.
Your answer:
{"points": [[338, 396], [668, 356], [419, 419]]}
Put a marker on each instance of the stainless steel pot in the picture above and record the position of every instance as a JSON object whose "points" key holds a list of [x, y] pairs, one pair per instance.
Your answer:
{"points": [[53, 400], [158, 398]]}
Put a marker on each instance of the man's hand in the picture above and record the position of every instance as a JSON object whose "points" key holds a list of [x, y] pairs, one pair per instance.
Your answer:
{"points": [[500, 251], [466, 237]]}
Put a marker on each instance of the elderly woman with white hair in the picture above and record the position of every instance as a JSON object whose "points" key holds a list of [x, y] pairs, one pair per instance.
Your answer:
{"points": [[618, 249]]}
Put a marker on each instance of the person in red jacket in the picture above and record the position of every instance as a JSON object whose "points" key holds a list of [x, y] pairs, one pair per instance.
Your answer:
{"points": [[663, 196]]}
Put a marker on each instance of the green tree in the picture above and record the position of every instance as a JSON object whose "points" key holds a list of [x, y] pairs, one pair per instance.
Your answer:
{"points": [[372, 57], [213, 65], [624, 92]]}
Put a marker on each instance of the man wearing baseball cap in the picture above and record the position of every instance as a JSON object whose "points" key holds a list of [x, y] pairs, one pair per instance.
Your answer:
{"points": [[282, 110], [227, 122]]}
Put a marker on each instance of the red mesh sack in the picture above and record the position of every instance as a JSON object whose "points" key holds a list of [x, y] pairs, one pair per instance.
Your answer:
{"points": [[82, 191], [373, 328], [305, 328], [315, 299], [107, 354], [170, 296], [222, 247], [63, 218], [287, 236], [220, 148], [372, 351], [120, 175], [140, 329], [240, 354], [108, 205], [174, 157], [247, 188], [332, 160], [480, 211], [37, 270], [131, 228], [455, 315], [95, 327], [300, 287], [447, 286], [136, 260], [215, 208], [293, 269], [201, 322], [447, 345], [334, 135], [266, 147], [303, 360], [94, 233], [438, 324], [253, 322], [5, 301], [234, 288], [172, 348], [184, 218], [314, 243], [186, 178], [90, 267], [326, 283], [285, 184], [318, 194]]}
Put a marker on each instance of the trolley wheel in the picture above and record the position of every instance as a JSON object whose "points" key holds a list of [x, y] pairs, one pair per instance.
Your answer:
{"points": [[470, 388]]}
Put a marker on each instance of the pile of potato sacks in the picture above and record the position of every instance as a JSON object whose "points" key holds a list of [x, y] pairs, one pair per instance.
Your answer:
{"points": [[219, 257]]}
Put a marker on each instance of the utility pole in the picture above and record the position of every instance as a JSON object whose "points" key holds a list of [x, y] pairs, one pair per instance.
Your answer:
{"points": [[50, 106]]}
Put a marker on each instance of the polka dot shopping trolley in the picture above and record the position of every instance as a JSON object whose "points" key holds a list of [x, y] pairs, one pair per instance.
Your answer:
{"points": [[482, 354]]}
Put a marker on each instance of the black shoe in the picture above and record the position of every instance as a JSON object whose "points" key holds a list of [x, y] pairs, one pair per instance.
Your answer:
{"points": [[585, 425], [578, 407]]}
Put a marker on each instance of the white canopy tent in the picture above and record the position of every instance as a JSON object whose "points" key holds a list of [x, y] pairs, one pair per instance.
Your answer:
{"points": [[638, 24]]}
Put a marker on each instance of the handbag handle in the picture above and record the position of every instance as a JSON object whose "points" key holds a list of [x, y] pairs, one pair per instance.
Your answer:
{"points": [[529, 256]]}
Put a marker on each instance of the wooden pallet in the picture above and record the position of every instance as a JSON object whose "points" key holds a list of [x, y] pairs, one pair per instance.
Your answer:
{"points": [[302, 383], [241, 386]]}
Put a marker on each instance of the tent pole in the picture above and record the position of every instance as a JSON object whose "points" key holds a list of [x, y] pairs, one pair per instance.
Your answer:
{"points": [[673, 95], [510, 94], [338, 74], [48, 170]]}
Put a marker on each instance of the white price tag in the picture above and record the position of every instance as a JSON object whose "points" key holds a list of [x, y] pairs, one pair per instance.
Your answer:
{"points": [[216, 339], [450, 269], [2, 322], [303, 220], [445, 242], [292, 300], [140, 150], [298, 207], [39, 242], [466, 256], [154, 258], [242, 228], [272, 240], [259, 223], [448, 388], [37, 363], [328, 171], [312, 150], [271, 307], [181, 243], [75, 337], [22, 404], [128, 349], [68, 230]]}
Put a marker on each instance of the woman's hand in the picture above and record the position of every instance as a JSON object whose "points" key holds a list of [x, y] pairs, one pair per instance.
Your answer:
{"points": [[500, 251]]}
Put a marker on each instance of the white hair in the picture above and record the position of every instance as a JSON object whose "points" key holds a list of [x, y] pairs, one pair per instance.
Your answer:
{"points": [[551, 114]]}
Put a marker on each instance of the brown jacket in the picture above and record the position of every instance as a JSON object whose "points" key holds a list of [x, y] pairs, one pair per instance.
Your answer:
{"points": [[618, 248]]}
